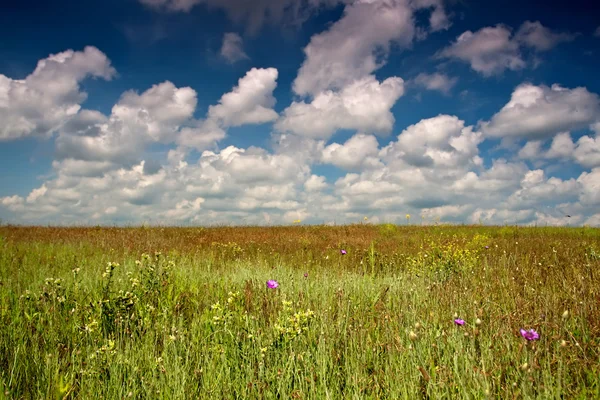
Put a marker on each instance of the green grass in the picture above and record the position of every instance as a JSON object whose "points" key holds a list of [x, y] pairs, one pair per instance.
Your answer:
{"points": [[186, 312]]}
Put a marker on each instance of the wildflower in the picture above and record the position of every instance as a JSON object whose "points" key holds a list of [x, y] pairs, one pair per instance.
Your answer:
{"points": [[271, 284], [343, 252], [477, 322], [565, 314], [306, 274], [487, 247], [459, 321], [530, 334]]}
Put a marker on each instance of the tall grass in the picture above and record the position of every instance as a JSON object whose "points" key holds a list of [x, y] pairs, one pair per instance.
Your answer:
{"points": [[186, 313]]}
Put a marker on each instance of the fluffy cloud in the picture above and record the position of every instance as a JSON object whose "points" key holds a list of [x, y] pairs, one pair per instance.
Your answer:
{"points": [[250, 102], [42, 102], [201, 136], [232, 48], [356, 45], [489, 51], [442, 141], [492, 50], [542, 111], [436, 81], [537, 36], [363, 105], [360, 151], [587, 152], [136, 120], [315, 183]]}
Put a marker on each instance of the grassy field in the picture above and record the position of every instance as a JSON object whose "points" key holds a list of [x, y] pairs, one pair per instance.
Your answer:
{"points": [[181, 313]]}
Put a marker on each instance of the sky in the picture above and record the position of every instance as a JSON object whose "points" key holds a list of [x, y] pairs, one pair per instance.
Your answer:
{"points": [[268, 112]]}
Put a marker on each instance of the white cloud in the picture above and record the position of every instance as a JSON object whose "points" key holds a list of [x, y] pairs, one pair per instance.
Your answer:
{"points": [[360, 151], [363, 105], [250, 102], [47, 98], [232, 48], [315, 183], [540, 111], [562, 146], [590, 188], [355, 46], [537, 36], [587, 152], [531, 150], [442, 141], [492, 50], [136, 120], [36, 194], [436, 81], [204, 135], [538, 191]]}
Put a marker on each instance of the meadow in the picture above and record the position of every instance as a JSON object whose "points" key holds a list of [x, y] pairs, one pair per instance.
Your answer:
{"points": [[300, 312]]}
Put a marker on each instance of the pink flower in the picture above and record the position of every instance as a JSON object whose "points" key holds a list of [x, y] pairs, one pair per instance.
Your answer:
{"points": [[343, 252], [530, 334], [459, 321], [271, 284]]}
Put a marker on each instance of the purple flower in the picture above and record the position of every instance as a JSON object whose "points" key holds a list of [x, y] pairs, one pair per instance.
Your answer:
{"points": [[459, 321], [530, 334], [306, 274], [343, 252], [487, 247], [271, 284]]}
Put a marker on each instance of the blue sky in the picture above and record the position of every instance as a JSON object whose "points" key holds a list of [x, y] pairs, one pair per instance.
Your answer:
{"points": [[209, 112]]}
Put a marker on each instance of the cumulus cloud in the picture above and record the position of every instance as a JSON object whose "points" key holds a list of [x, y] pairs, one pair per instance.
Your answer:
{"points": [[250, 102], [587, 152], [441, 141], [489, 51], [354, 46], [201, 135], [362, 105], [47, 98], [135, 121], [360, 151], [535, 112], [492, 50], [537, 36], [315, 183], [232, 48], [436, 81]]}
